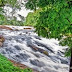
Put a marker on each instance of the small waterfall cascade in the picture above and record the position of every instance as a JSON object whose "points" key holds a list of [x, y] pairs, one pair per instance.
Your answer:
{"points": [[25, 46]]}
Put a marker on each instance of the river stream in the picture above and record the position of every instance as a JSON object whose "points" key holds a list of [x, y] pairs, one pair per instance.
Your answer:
{"points": [[25, 46]]}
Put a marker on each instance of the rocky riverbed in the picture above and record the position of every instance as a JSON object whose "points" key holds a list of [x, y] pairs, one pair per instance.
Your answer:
{"points": [[23, 45]]}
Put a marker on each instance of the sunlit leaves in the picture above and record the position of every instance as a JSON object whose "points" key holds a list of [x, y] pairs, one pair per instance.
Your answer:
{"points": [[32, 18], [55, 20]]}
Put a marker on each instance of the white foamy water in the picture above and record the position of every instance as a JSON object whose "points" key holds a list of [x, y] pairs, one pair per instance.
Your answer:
{"points": [[26, 47]]}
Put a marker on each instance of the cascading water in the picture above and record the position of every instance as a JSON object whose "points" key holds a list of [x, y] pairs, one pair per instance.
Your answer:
{"points": [[26, 47]]}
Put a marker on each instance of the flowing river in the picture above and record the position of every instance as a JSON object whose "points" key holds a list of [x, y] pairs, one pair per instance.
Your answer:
{"points": [[25, 46]]}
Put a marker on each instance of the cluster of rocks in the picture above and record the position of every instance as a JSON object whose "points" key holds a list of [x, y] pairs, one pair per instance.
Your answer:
{"points": [[26, 47]]}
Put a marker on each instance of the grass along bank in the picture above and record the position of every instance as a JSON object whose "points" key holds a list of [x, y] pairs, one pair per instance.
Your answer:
{"points": [[7, 66]]}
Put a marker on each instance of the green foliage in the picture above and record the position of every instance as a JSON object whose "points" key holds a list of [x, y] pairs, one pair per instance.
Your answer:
{"points": [[13, 3], [68, 42], [14, 22], [6, 66], [55, 20], [3, 19], [31, 4], [32, 18]]}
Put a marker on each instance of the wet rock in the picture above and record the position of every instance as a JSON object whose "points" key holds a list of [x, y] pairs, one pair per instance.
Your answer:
{"points": [[49, 70], [38, 49], [33, 47], [60, 53], [18, 56], [23, 57], [28, 39], [5, 44], [3, 52], [56, 67], [19, 40], [55, 59], [45, 52], [42, 45], [37, 37], [23, 38], [63, 61], [59, 59], [17, 47], [37, 63], [37, 55], [9, 49], [16, 30], [20, 34]]}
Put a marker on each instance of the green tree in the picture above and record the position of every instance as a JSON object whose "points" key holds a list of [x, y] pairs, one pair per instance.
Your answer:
{"points": [[6, 20], [55, 21], [32, 17], [10, 2], [31, 4]]}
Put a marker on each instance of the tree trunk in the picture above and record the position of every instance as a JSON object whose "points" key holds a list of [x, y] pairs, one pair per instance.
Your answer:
{"points": [[71, 62]]}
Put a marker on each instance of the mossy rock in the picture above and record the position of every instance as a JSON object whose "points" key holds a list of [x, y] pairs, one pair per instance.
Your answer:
{"points": [[45, 52]]}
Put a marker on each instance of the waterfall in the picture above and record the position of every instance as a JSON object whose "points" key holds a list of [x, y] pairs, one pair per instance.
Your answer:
{"points": [[25, 46]]}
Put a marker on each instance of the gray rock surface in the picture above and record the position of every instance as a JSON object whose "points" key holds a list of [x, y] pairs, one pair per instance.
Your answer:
{"points": [[26, 47]]}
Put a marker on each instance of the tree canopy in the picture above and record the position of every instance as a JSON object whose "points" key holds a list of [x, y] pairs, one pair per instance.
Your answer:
{"points": [[10, 19], [11, 2], [55, 20]]}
